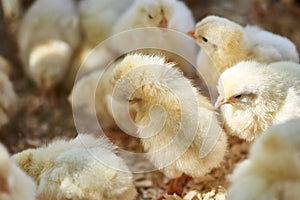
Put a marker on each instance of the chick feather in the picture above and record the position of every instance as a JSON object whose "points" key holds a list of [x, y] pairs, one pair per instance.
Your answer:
{"points": [[261, 95], [82, 168], [166, 105], [272, 170], [227, 43], [14, 183], [47, 37]]}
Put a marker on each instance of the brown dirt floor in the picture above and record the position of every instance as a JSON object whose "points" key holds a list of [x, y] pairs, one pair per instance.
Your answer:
{"points": [[39, 120]]}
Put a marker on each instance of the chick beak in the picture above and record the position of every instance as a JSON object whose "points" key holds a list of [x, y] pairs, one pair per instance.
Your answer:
{"points": [[163, 22], [221, 102], [191, 33]]}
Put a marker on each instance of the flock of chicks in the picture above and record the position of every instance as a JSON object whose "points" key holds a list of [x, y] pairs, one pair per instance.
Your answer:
{"points": [[253, 77]]}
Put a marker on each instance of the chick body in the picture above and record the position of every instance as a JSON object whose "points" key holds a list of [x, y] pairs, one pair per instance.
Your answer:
{"points": [[156, 128], [47, 37], [77, 169], [14, 183], [261, 95], [272, 170]]}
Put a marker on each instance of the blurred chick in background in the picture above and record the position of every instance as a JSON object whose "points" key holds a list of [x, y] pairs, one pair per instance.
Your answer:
{"points": [[151, 85], [8, 97], [97, 18], [168, 14], [82, 168], [226, 43], [254, 96], [273, 169], [14, 183], [47, 38]]}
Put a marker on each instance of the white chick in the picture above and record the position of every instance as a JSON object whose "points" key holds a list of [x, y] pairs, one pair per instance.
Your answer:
{"points": [[173, 118], [47, 37], [14, 183], [8, 98], [273, 169], [227, 43], [97, 18], [173, 15], [254, 96], [82, 168]]}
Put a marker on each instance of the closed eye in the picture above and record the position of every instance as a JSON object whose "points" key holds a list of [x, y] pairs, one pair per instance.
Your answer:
{"points": [[150, 16]]}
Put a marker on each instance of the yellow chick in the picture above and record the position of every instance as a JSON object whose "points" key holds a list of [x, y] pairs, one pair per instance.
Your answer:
{"points": [[254, 96], [227, 43], [174, 120], [8, 98], [47, 37], [83, 168], [14, 183], [273, 169]]}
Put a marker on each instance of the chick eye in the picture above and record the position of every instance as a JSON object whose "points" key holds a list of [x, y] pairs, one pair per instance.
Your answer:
{"points": [[204, 39], [238, 96], [150, 16]]}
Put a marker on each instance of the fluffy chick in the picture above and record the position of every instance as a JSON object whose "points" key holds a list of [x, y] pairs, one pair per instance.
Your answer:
{"points": [[155, 85], [47, 37], [273, 169], [227, 43], [254, 96], [8, 98], [14, 183], [241, 43], [82, 168], [173, 15]]}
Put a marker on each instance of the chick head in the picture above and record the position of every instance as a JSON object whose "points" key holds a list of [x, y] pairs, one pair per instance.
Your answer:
{"points": [[138, 77], [153, 13], [249, 92], [278, 150], [48, 63], [221, 38]]}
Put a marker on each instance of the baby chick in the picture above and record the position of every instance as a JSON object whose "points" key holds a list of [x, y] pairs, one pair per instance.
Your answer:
{"points": [[254, 96], [273, 169], [14, 183], [172, 15], [83, 168], [47, 37], [8, 98], [173, 118], [227, 43]]}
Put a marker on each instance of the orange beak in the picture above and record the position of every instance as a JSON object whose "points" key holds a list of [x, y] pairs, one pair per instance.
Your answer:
{"points": [[191, 33], [221, 102], [164, 22]]}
